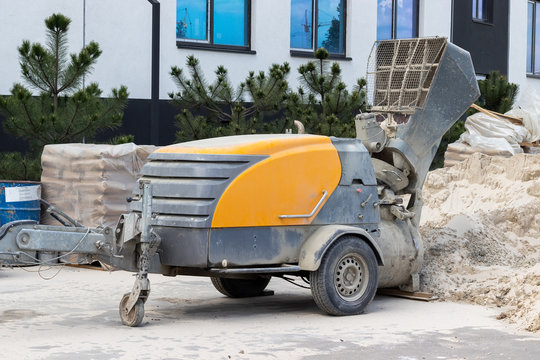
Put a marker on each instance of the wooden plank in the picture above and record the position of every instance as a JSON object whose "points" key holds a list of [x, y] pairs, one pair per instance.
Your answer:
{"points": [[421, 296], [102, 267], [529, 144], [513, 120]]}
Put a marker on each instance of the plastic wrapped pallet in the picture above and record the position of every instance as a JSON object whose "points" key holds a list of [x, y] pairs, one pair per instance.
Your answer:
{"points": [[492, 133], [91, 182]]}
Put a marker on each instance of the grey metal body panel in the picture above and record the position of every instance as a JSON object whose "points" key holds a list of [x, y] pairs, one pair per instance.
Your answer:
{"points": [[352, 201], [251, 246], [355, 161], [351, 205], [187, 187], [183, 246]]}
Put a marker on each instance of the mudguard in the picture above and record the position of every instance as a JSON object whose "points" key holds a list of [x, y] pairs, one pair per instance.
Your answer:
{"points": [[319, 242]]}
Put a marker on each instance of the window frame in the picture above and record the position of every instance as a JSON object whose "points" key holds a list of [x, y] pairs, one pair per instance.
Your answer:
{"points": [[416, 13], [487, 11], [209, 43], [535, 3], [308, 53]]}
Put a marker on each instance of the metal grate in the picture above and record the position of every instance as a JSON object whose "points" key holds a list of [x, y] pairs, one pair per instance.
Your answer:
{"points": [[400, 73]]}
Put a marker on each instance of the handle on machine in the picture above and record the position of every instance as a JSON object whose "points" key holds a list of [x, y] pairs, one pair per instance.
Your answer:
{"points": [[325, 193]]}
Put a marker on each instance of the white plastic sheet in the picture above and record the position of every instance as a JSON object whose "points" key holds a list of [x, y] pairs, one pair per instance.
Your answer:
{"points": [[485, 132], [527, 107]]}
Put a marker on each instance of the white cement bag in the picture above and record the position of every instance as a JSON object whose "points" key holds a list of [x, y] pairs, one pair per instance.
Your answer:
{"points": [[484, 132]]}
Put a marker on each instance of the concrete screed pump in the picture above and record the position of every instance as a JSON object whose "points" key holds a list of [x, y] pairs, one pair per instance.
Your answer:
{"points": [[342, 213]]}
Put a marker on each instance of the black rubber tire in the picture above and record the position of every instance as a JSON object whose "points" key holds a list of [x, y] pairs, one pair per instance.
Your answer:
{"points": [[240, 288], [347, 278], [135, 317]]}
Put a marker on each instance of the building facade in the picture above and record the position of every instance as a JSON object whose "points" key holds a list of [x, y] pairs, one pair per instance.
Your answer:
{"points": [[246, 35]]}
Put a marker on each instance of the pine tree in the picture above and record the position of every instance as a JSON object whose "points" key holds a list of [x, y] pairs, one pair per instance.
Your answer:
{"points": [[64, 111], [497, 93], [223, 109], [324, 105]]}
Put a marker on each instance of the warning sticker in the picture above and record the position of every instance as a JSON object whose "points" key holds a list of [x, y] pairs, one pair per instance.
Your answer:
{"points": [[23, 193]]}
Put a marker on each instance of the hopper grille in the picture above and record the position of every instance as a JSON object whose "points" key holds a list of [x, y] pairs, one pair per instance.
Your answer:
{"points": [[400, 73]]}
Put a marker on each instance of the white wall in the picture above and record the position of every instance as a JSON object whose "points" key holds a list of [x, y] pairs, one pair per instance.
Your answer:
{"points": [[517, 49], [435, 18], [25, 20], [121, 27], [123, 30]]}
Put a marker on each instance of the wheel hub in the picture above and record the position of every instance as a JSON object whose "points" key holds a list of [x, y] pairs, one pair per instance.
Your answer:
{"points": [[348, 277]]}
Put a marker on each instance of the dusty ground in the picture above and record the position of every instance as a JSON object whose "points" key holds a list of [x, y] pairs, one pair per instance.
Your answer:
{"points": [[75, 316]]}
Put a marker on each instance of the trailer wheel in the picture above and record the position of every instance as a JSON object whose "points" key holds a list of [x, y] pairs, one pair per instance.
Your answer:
{"points": [[134, 317], [347, 278], [239, 288]]}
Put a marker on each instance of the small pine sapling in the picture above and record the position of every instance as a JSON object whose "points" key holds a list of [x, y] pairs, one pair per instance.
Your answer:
{"points": [[497, 93], [323, 104], [65, 111]]}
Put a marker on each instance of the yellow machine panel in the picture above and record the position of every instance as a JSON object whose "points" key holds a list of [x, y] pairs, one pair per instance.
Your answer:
{"points": [[289, 182]]}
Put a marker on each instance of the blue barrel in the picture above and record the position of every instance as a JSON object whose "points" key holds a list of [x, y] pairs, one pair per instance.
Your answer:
{"points": [[19, 200]]}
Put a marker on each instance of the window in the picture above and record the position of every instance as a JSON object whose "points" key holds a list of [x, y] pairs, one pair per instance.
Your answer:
{"points": [[397, 19], [318, 23], [533, 38], [213, 24], [482, 10]]}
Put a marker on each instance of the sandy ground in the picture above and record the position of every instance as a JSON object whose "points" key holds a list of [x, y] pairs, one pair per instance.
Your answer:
{"points": [[75, 316], [481, 230]]}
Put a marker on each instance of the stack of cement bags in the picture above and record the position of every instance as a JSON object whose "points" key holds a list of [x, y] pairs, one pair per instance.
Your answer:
{"points": [[91, 182]]}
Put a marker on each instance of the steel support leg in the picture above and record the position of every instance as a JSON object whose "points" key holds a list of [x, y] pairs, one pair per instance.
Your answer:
{"points": [[141, 288]]}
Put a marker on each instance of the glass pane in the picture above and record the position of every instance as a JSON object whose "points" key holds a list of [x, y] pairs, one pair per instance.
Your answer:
{"points": [[481, 10], [475, 9], [384, 19], [330, 26], [529, 36], [191, 18], [230, 22], [407, 15], [302, 24], [537, 41]]}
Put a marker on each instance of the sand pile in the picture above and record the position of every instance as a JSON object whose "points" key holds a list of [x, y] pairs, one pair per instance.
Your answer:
{"points": [[481, 229]]}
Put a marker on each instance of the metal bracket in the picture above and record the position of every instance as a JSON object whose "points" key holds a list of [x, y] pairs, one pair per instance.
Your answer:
{"points": [[325, 193], [141, 288], [66, 239]]}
